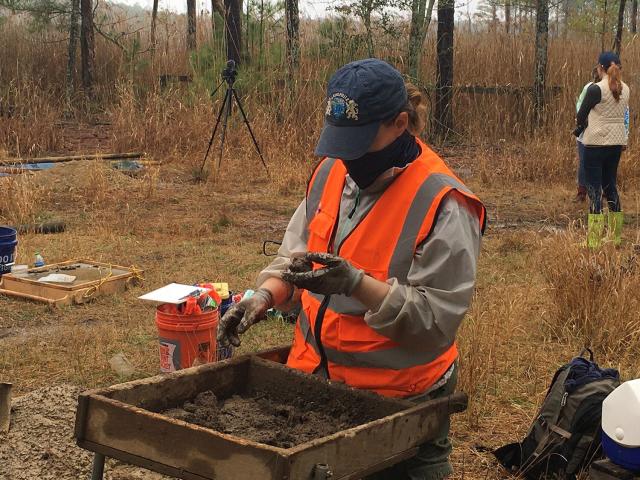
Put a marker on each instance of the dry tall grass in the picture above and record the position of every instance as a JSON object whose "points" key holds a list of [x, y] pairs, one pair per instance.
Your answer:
{"points": [[22, 200], [595, 294], [176, 122]]}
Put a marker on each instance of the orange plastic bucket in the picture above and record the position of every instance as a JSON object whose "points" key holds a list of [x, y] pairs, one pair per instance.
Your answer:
{"points": [[186, 340]]}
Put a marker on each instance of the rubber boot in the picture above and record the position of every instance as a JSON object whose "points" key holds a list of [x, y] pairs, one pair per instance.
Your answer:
{"points": [[615, 220], [595, 230]]}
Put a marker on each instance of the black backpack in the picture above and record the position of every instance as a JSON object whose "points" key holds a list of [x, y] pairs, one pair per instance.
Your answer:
{"points": [[565, 436]]}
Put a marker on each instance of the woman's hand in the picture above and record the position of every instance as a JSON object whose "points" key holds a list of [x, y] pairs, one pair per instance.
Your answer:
{"points": [[337, 276], [238, 319], [243, 315]]}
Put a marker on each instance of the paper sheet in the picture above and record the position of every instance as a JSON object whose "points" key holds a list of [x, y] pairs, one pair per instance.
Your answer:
{"points": [[175, 293], [58, 278]]}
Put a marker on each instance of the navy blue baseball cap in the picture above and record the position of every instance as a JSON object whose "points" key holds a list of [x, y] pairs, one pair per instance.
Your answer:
{"points": [[360, 96], [607, 58]]}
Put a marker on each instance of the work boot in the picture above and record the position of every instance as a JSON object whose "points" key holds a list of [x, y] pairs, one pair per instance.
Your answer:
{"points": [[581, 196], [595, 230], [615, 220]]}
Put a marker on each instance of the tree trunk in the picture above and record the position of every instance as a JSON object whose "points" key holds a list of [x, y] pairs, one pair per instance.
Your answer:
{"points": [[420, 20], [507, 16], [217, 6], [247, 31], [233, 17], [540, 73], [213, 20], [73, 48], [262, 62], [565, 17], [444, 75], [154, 17], [369, 33], [604, 25], [617, 43], [634, 17], [87, 46], [191, 25], [293, 35]]}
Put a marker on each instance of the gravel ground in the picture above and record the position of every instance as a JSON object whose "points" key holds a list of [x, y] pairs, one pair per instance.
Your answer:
{"points": [[40, 442]]}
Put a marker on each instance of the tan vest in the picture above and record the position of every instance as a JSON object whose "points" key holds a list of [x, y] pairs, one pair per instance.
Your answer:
{"points": [[606, 119]]}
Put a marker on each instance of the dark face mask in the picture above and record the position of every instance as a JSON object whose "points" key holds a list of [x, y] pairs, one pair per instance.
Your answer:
{"points": [[402, 151]]}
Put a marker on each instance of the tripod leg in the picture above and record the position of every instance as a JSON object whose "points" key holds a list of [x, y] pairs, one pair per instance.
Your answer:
{"points": [[215, 129], [228, 99], [217, 88], [246, 121]]}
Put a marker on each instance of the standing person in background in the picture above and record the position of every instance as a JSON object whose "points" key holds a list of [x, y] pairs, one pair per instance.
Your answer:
{"points": [[601, 122], [389, 239], [582, 182]]}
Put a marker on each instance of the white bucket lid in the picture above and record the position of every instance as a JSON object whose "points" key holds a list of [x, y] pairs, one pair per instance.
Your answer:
{"points": [[621, 414]]}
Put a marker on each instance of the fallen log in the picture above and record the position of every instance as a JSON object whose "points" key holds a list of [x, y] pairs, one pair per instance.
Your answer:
{"points": [[71, 158]]}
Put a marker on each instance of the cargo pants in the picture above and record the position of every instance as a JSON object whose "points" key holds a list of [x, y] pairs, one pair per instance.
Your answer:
{"points": [[432, 460]]}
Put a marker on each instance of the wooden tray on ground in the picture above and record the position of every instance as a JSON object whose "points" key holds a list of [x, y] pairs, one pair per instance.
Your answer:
{"points": [[120, 422], [93, 279]]}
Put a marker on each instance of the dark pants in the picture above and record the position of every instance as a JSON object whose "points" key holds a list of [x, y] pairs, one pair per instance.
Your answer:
{"points": [[601, 169], [432, 460], [582, 181]]}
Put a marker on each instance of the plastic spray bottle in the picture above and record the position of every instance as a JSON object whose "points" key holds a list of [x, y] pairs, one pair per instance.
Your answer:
{"points": [[39, 260]]}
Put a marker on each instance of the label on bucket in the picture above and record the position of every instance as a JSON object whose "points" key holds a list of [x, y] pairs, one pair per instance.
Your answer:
{"points": [[8, 259], [169, 355]]}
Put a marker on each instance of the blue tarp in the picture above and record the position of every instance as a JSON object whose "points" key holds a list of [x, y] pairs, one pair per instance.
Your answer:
{"points": [[37, 166]]}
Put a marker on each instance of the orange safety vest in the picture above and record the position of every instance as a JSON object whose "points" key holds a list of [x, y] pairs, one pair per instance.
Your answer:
{"points": [[383, 245]]}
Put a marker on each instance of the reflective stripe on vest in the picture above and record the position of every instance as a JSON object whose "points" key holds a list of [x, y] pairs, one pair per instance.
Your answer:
{"points": [[403, 253], [316, 186], [397, 358], [343, 304]]}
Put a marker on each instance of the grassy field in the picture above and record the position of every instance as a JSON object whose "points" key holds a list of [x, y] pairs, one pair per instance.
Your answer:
{"points": [[540, 296]]}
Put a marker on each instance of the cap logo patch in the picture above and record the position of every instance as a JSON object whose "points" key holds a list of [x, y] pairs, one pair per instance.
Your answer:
{"points": [[340, 106]]}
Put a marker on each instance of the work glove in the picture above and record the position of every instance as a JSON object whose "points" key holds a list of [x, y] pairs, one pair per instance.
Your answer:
{"points": [[337, 276], [243, 315]]}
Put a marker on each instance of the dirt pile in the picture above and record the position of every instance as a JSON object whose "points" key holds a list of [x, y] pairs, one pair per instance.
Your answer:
{"points": [[263, 419], [40, 443]]}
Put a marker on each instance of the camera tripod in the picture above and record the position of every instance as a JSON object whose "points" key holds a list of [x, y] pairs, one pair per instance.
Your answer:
{"points": [[229, 75]]}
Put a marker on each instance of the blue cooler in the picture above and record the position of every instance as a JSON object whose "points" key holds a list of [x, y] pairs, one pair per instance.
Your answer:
{"points": [[8, 242], [621, 426]]}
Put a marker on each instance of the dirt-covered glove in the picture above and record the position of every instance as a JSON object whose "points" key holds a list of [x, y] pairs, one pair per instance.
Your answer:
{"points": [[337, 276], [243, 315]]}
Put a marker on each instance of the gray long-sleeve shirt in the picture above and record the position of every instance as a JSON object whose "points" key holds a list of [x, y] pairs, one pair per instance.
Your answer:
{"points": [[426, 312]]}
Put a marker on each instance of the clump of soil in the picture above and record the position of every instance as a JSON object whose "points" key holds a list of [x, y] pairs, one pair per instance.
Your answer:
{"points": [[263, 419], [300, 265]]}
